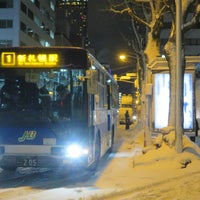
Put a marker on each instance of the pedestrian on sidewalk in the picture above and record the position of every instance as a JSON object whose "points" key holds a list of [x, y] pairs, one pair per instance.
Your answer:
{"points": [[127, 120]]}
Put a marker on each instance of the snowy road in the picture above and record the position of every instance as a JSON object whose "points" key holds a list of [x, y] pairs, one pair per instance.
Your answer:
{"points": [[124, 175], [177, 188]]}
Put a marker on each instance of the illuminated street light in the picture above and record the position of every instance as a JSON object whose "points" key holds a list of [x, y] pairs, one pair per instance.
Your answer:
{"points": [[135, 77], [123, 57], [143, 74]]}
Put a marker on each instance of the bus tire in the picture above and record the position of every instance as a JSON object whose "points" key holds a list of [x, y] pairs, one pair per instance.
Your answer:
{"points": [[97, 155]]}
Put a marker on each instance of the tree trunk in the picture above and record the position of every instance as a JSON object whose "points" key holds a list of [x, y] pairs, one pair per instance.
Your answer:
{"points": [[151, 52], [152, 49]]}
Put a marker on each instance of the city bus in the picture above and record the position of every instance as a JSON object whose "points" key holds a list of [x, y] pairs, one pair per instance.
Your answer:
{"points": [[58, 108]]}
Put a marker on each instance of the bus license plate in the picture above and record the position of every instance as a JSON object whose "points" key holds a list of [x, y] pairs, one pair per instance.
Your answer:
{"points": [[28, 162]]}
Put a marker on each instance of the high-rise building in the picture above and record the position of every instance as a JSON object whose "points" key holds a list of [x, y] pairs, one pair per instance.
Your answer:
{"points": [[75, 12], [27, 22], [62, 34]]}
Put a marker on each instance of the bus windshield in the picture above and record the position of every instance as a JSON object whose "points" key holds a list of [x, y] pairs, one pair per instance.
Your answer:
{"points": [[41, 95]]}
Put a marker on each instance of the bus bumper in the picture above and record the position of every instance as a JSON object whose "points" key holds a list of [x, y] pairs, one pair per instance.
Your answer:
{"points": [[12, 161]]}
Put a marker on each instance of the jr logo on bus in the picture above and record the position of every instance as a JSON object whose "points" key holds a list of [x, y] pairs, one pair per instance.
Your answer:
{"points": [[28, 135]]}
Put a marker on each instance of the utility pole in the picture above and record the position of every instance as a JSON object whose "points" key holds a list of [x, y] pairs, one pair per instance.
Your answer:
{"points": [[179, 79]]}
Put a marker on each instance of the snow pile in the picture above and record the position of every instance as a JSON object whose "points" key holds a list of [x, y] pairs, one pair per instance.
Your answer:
{"points": [[163, 149], [152, 165], [158, 168]]}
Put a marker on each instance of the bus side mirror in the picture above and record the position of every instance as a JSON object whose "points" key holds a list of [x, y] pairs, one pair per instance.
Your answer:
{"points": [[92, 81]]}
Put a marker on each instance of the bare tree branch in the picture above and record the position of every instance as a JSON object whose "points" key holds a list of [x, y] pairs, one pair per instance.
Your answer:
{"points": [[138, 19], [117, 9], [188, 25], [112, 9]]}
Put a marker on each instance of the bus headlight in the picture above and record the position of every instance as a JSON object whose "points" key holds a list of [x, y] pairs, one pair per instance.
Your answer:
{"points": [[75, 151]]}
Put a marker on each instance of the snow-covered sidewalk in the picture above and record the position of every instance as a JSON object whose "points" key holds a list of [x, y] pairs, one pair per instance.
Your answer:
{"points": [[150, 174]]}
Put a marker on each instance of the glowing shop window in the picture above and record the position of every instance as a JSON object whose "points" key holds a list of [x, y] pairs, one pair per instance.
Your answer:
{"points": [[161, 93]]}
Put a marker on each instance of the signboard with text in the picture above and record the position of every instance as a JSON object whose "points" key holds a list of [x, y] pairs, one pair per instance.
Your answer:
{"points": [[11, 59]]}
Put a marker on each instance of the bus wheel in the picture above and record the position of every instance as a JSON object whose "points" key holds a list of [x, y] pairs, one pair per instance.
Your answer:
{"points": [[97, 155]]}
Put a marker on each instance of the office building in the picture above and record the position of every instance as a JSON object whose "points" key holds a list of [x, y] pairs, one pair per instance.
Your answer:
{"points": [[62, 34], [191, 39], [75, 11], [27, 23]]}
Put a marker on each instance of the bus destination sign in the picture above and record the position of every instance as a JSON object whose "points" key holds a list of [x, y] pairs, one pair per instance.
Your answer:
{"points": [[11, 59]]}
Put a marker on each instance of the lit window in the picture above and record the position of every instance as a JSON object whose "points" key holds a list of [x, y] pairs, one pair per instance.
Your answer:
{"points": [[52, 6], [52, 34]]}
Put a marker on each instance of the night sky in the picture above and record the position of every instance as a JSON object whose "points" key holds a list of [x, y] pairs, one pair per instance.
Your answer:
{"points": [[104, 31]]}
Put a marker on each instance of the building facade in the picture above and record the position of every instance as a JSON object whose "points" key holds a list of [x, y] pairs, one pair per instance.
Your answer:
{"points": [[27, 23], [76, 12], [191, 38]]}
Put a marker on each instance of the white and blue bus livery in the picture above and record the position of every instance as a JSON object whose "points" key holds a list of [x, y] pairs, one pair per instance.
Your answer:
{"points": [[58, 107]]}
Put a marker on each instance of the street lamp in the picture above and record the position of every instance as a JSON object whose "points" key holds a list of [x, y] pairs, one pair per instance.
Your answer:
{"points": [[143, 74], [137, 84], [123, 57]]}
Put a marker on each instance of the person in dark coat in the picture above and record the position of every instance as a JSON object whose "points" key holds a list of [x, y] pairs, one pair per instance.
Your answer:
{"points": [[127, 119], [64, 102]]}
